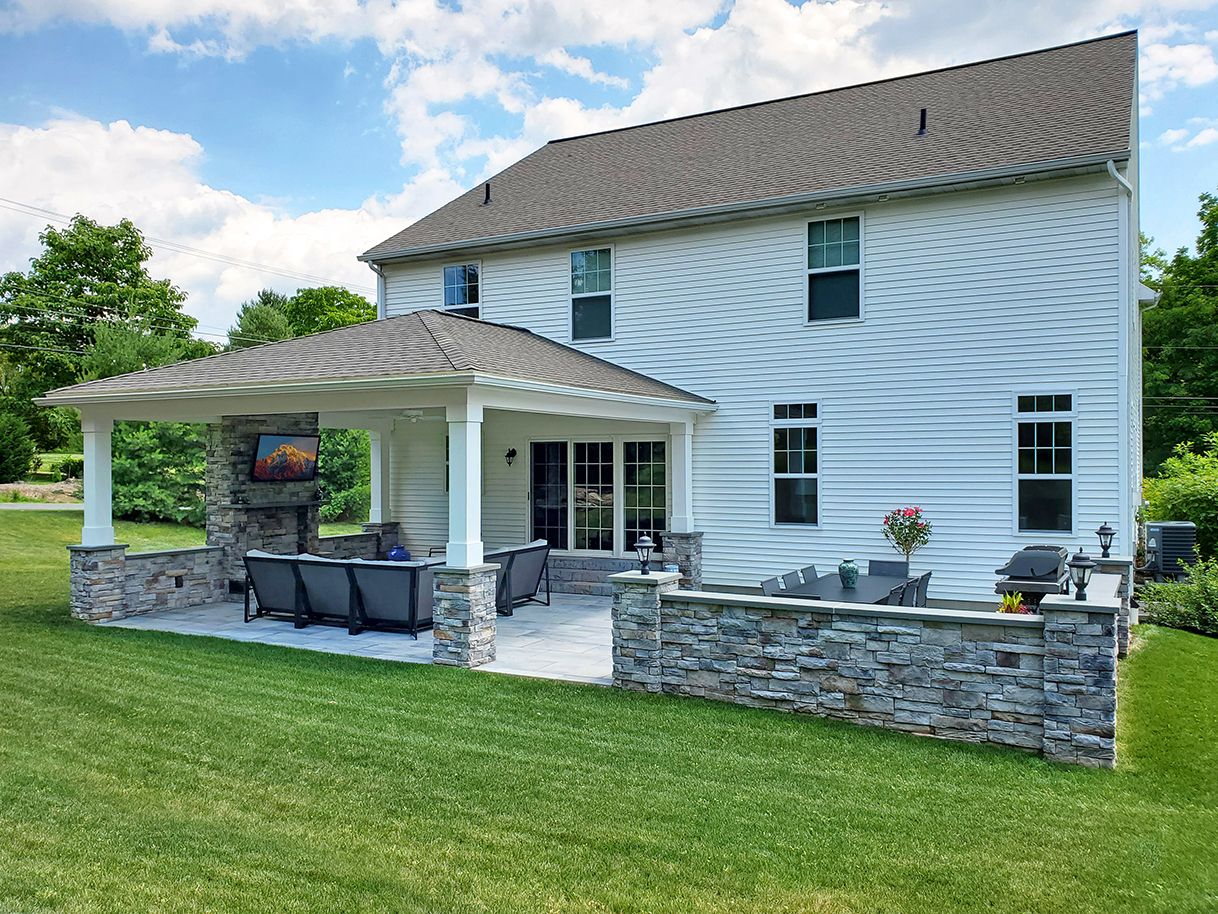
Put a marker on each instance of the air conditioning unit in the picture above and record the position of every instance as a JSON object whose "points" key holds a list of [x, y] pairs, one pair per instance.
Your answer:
{"points": [[1169, 547]]}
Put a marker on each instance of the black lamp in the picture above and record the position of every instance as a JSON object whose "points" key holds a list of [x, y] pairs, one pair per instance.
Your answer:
{"points": [[1105, 533], [1080, 567], [510, 456], [643, 547]]}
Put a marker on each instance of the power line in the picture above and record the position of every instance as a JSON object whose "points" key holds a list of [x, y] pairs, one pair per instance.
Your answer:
{"points": [[149, 325], [177, 247], [42, 349]]}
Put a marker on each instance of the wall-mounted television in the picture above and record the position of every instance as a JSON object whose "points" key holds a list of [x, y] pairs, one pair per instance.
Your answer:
{"points": [[285, 458]]}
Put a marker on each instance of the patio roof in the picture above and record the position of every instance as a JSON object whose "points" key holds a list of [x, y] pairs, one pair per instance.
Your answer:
{"points": [[435, 347]]}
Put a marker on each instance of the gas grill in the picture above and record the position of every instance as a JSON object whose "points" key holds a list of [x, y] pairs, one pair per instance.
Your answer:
{"points": [[1035, 572]]}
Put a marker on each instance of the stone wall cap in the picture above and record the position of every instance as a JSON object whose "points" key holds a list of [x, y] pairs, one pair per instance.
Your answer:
{"points": [[655, 578], [343, 536], [797, 605], [186, 551], [472, 569], [79, 547]]}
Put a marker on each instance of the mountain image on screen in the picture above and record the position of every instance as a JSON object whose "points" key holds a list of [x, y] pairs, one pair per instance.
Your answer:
{"points": [[286, 462]]}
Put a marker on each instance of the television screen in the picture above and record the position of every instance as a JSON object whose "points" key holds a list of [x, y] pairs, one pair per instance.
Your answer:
{"points": [[285, 458]]}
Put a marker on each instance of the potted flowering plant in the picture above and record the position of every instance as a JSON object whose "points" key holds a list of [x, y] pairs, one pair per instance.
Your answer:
{"points": [[1013, 603], [907, 530]]}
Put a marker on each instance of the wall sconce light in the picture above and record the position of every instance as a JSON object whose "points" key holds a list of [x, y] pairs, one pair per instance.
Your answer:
{"points": [[510, 456]]}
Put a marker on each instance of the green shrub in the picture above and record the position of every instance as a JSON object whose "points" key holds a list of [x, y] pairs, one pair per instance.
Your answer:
{"points": [[1191, 604], [1187, 489], [16, 448], [158, 471], [71, 468], [350, 505]]}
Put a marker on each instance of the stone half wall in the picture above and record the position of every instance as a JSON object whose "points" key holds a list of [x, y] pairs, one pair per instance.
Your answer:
{"points": [[1045, 683], [110, 583]]}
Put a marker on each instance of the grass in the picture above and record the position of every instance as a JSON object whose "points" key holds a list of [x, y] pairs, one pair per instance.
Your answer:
{"points": [[141, 771]]}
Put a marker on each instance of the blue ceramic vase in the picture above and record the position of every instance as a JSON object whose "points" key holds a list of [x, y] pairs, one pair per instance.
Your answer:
{"points": [[848, 572]]}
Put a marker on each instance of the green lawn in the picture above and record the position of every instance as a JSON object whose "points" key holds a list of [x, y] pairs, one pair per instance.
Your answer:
{"points": [[150, 772]]}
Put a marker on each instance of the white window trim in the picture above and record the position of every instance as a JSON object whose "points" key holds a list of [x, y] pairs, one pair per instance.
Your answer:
{"points": [[1070, 416], [444, 306], [771, 475], [621, 550], [862, 268], [571, 296]]}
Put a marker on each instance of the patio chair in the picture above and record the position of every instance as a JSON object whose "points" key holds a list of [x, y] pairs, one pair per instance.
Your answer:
{"points": [[521, 569], [276, 588], [394, 596], [894, 568], [909, 596], [791, 580], [329, 592], [922, 586], [770, 588], [896, 595], [809, 573]]}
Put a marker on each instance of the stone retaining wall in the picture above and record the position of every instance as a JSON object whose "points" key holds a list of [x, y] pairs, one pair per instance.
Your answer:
{"points": [[1046, 683], [109, 583], [350, 546]]}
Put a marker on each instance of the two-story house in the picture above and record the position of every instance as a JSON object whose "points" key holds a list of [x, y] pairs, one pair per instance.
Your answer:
{"points": [[748, 334], [918, 291]]}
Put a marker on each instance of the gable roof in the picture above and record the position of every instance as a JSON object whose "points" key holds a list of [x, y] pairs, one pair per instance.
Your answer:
{"points": [[1052, 106], [420, 344]]}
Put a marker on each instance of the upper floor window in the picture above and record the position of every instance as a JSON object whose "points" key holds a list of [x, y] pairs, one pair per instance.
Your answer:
{"points": [[592, 294], [463, 289], [1044, 462], [835, 258], [795, 470]]}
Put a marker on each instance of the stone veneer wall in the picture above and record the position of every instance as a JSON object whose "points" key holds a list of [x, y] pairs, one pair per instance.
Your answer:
{"points": [[109, 583], [278, 517], [1046, 683], [350, 546]]}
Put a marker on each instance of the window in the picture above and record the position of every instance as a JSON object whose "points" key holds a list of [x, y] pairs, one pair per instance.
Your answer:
{"points": [[645, 491], [1044, 463], [594, 495], [795, 433], [592, 294], [462, 289], [834, 268]]}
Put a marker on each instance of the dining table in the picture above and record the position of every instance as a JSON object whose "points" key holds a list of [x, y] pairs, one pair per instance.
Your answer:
{"points": [[870, 588]]}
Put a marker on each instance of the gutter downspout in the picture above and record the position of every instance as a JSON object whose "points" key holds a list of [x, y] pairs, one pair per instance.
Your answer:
{"points": [[1127, 309], [380, 289]]}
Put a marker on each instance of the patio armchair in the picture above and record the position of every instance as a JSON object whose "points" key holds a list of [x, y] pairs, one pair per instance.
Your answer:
{"points": [[394, 596], [923, 585], [770, 588], [892, 567], [519, 578], [275, 586]]}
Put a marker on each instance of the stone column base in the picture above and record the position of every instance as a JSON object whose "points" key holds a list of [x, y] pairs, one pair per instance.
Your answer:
{"points": [[636, 628], [98, 579], [463, 616], [686, 551]]}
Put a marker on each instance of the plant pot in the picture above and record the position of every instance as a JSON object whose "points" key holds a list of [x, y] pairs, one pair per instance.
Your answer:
{"points": [[849, 573]]}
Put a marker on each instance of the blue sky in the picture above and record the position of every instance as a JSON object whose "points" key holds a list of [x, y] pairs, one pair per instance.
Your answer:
{"points": [[276, 132]]}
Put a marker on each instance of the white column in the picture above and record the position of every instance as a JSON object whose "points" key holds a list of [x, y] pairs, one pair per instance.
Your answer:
{"points": [[98, 527], [682, 458], [380, 440], [464, 549]]}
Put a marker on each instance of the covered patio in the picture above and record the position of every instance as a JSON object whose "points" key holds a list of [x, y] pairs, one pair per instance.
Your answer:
{"points": [[396, 378]]}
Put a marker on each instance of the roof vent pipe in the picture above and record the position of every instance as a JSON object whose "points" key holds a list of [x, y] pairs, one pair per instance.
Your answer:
{"points": [[922, 123], [486, 197]]}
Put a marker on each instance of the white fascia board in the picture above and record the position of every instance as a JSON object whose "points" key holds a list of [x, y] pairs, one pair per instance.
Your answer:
{"points": [[841, 196]]}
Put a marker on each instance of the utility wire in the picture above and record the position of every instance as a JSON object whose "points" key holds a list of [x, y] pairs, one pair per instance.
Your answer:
{"points": [[42, 349], [177, 247]]}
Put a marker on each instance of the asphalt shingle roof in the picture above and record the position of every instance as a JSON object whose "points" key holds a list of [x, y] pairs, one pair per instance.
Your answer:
{"points": [[417, 344], [1068, 102]]}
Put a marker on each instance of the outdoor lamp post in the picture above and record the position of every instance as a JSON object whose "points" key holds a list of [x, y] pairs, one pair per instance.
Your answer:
{"points": [[1105, 533], [643, 547], [1080, 567]]}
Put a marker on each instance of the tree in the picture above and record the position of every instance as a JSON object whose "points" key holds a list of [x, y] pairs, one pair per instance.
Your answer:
{"points": [[1180, 336], [262, 319], [327, 308], [16, 448], [88, 275], [121, 349]]}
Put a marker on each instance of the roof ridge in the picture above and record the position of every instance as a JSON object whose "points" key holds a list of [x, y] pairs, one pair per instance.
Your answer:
{"points": [[871, 82], [447, 345]]}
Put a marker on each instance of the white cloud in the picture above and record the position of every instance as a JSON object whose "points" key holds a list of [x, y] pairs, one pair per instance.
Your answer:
{"points": [[1203, 138], [117, 170], [1172, 137], [560, 59], [1166, 67]]}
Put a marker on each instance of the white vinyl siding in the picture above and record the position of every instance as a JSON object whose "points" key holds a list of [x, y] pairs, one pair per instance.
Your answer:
{"points": [[969, 296]]}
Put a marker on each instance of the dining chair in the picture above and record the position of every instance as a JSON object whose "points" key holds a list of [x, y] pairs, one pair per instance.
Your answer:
{"points": [[791, 580], [923, 586], [887, 566], [895, 595], [769, 587], [909, 595], [809, 573]]}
